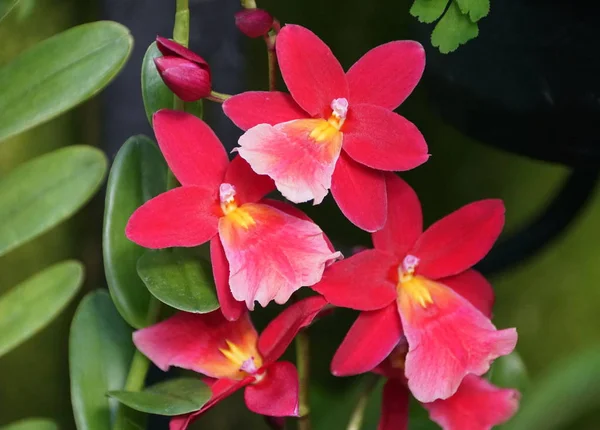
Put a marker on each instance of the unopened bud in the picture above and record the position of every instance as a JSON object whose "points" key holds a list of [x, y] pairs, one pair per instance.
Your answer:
{"points": [[254, 22], [183, 71]]}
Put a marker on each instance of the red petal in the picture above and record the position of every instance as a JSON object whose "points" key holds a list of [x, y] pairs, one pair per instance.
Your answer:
{"points": [[368, 342], [273, 255], [360, 193], [404, 222], [276, 394], [459, 240], [281, 331], [300, 166], [253, 22], [189, 81], [383, 140], [192, 150], [477, 405], [170, 47], [473, 286], [184, 216], [193, 341], [230, 307], [386, 75], [310, 70], [361, 282], [249, 186], [394, 407], [221, 389], [262, 107], [448, 338]]}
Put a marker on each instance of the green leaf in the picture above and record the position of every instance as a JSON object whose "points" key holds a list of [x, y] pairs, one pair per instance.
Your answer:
{"points": [[41, 193], [509, 371], [155, 93], [453, 30], [428, 11], [476, 9], [569, 390], [6, 7], [174, 397], [138, 173], [180, 278], [59, 73], [100, 353], [34, 303], [31, 424]]}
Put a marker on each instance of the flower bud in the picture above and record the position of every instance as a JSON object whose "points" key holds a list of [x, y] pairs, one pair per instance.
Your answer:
{"points": [[183, 71], [254, 22]]}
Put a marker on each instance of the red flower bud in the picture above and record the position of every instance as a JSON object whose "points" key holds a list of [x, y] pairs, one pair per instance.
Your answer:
{"points": [[254, 22], [183, 71]]}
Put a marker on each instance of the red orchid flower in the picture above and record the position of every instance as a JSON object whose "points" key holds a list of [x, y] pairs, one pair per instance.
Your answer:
{"points": [[476, 405], [260, 249], [418, 284], [183, 71], [233, 356], [336, 130]]}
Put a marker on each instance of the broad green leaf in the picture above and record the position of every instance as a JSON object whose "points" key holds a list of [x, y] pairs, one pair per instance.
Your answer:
{"points": [[59, 73], [34, 303], [174, 397], [476, 9], [568, 391], [31, 424], [6, 7], [453, 30], [41, 193], [509, 371], [155, 93], [100, 353], [138, 173], [179, 277], [428, 11]]}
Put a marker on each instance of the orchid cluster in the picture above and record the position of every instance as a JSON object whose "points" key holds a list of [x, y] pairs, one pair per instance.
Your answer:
{"points": [[424, 321]]}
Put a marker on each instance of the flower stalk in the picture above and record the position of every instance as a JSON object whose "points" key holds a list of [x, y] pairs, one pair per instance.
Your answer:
{"points": [[303, 365], [358, 414]]}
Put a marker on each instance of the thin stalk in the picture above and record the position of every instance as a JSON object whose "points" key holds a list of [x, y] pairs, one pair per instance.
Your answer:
{"points": [[249, 4], [303, 365], [272, 67], [218, 97], [358, 414]]}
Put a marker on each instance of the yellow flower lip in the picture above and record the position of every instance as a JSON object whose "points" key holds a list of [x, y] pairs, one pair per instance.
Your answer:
{"points": [[231, 208], [245, 362], [411, 287]]}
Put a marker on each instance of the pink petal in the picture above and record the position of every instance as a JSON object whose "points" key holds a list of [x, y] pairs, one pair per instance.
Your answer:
{"points": [[448, 338], [281, 331], [230, 307], [276, 395], [386, 75], [368, 342], [363, 282], [221, 389], [394, 407], [300, 166], [251, 108], [477, 405], [193, 341], [295, 212], [383, 140], [184, 216], [310, 70], [360, 193], [192, 150], [404, 222], [273, 256], [473, 286], [249, 186], [189, 81], [459, 240], [170, 47]]}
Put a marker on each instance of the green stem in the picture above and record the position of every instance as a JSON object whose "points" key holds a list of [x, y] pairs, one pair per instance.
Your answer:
{"points": [[272, 66], [181, 30], [249, 4], [303, 365], [218, 97], [358, 414]]}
